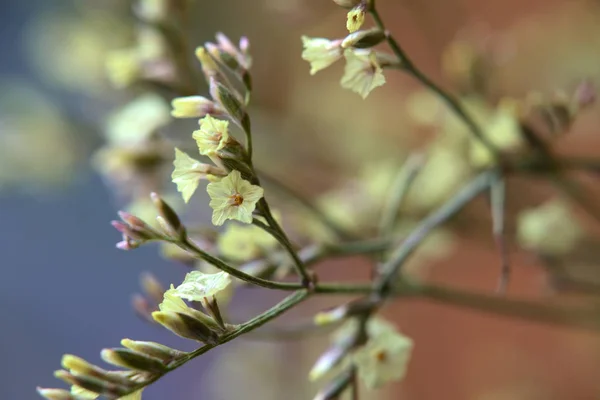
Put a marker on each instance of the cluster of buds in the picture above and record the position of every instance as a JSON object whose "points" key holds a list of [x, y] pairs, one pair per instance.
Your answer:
{"points": [[142, 362], [364, 65], [369, 347], [137, 232]]}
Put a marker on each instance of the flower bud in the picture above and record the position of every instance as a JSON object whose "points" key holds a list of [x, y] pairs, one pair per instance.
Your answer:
{"points": [[95, 385], [152, 287], [55, 394], [328, 360], [209, 66], [342, 312], [227, 100], [364, 39], [152, 349], [80, 367], [169, 215], [347, 3], [194, 107], [129, 359], [185, 326]]}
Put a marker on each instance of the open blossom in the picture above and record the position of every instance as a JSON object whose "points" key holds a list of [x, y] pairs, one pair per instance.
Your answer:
{"points": [[356, 17], [193, 107], [212, 135], [362, 73], [233, 198], [383, 359], [188, 172], [320, 53], [197, 285]]}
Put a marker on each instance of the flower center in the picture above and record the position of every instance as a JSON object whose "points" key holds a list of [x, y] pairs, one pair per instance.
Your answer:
{"points": [[236, 199], [381, 356]]}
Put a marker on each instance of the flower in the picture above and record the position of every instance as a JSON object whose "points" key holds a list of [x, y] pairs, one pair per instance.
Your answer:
{"points": [[172, 303], [356, 17], [243, 243], [193, 107], [197, 285], [233, 198], [320, 53], [362, 73], [188, 172], [212, 135], [383, 359], [139, 119], [549, 229]]}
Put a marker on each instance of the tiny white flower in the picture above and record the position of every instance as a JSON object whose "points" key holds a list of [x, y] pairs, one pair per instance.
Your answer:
{"points": [[212, 135], [188, 172], [233, 198], [362, 73], [320, 52], [383, 359], [197, 285]]}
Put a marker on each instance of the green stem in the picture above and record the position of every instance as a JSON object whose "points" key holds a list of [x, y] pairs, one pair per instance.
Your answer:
{"points": [[448, 98], [390, 269], [278, 233]]}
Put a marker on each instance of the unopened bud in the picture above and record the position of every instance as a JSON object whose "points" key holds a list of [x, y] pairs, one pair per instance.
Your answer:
{"points": [[226, 58], [185, 326], [335, 388], [95, 385], [328, 360], [55, 394], [585, 95], [129, 359], [227, 100], [79, 366], [364, 39], [170, 216], [194, 107], [209, 66], [339, 313], [142, 307], [152, 349], [152, 287]]}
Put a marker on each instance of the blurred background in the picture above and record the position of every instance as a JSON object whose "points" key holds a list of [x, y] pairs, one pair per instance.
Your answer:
{"points": [[66, 289]]}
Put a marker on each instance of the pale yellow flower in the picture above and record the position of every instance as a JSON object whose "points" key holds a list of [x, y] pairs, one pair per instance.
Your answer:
{"points": [[212, 135], [243, 243], [198, 285], [355, 19], [192, 107], [320, 53], [233, 198], [383, 359], [209, 65], [188, 172], [172, 303], [362, 73], [139, 119], [549, 229], [503, 130]]}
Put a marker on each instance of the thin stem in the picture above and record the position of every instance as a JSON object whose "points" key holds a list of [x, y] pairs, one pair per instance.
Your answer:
{"points": [[306, 203], [450, 100], [282, 238], [398, 192], [498, 199], [187, 244], [390, 269]]}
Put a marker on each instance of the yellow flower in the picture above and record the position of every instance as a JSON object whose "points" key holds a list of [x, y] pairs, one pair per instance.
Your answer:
{"points": [[549, 229], [362, 73], [320, 53], [503, 131], [188, 173], [243, 243], [356, 17], [192, 107], [233, 198], [139, 119], [212, 135], [197, 285], [383, 359], [209, 65]]}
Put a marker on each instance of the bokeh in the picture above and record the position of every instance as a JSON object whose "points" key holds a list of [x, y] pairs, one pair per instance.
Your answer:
{"points": [[65, 288]]}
